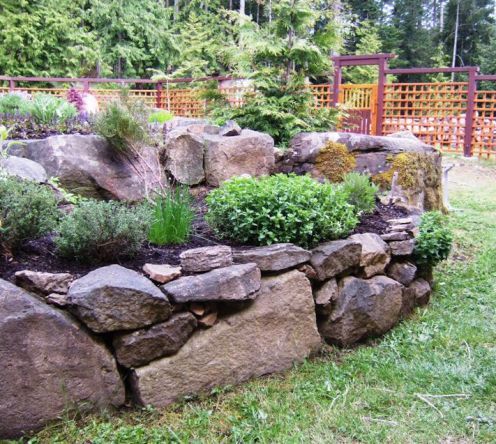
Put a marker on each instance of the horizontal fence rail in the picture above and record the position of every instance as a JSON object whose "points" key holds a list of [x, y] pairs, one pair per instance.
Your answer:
{"points": [[453, 116]]}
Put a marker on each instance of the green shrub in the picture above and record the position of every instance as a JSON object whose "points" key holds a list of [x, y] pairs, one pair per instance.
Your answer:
{"points": [[433, 243], [279, 208], [123, 124], [360, 191], [279, 110], [27, 210], [48, 109], [11, 103], [99, 231], [172, 218], [160, 116]]}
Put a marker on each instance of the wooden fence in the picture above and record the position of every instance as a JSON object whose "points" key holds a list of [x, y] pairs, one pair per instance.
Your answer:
{"points": [[449, 115]]}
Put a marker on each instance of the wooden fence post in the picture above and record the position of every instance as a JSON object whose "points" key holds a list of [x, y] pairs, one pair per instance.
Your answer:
{"points": [[383, 64], [469, 116], [11, 85], [158, 97], [337, 83]]}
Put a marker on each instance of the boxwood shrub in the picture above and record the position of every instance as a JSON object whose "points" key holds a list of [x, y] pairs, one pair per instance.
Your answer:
{"points": [[98, 231], [279, 208]]}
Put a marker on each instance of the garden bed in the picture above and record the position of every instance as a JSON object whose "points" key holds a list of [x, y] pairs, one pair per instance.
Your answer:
{"points": [[39, 254]]}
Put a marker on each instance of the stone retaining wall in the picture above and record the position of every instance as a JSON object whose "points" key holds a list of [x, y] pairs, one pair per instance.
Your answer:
{"points": [[224, 316]]}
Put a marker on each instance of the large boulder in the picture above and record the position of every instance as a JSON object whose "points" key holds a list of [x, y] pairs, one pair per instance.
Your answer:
{"points": [[87, 165], [371, 152], [275, 331], [184, 156], [335, 257], [375, 253], [417, 166], [275, 257], [362, 309], [24, 169], [115, 298], [48, 364], [137, 348], [234, 283], [249, 153]]}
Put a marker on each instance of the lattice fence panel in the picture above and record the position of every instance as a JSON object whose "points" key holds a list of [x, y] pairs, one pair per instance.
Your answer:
{"points": [[484, 130], [434, 112]]}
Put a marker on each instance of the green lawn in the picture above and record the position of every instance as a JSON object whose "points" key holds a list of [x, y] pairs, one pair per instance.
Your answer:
{"points": [[432, 379]]}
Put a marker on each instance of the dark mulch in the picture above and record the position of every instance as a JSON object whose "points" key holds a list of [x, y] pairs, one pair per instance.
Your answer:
{"points": [[39, 254], [376, 222]]}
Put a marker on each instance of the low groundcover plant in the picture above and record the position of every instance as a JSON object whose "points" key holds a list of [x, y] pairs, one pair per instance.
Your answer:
{"points": [[280, 208]]}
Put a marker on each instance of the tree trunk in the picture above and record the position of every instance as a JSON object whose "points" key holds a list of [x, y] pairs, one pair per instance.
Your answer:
{"points": [[242, 7], [455, 39], [176, 9]]}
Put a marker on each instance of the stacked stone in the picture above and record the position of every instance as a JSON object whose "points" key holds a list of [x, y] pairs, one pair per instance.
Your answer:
{"points": [[220, 317]]}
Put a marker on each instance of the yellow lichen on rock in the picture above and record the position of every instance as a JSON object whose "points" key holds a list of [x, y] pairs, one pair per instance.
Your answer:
{"points": [[416, 172], [334, 161]]}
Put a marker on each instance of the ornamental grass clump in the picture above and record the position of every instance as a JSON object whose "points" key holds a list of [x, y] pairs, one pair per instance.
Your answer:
{"points": [[433, 244], [280, 208], [27, 210], [360, 191], [172, 218], [124, 124], [98, 231]]}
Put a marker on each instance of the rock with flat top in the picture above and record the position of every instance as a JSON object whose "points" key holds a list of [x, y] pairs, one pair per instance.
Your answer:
{"points": [[202, 259], [274, 257], [402, 248], [115, 298], [250, 153], [140, 347], [270, 335], [43, 283], [234, 283], [162, 273], [333, 258]]}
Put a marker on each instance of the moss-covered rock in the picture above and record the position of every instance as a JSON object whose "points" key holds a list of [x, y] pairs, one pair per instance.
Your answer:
{"points": [[334, 161], [419, 176]]}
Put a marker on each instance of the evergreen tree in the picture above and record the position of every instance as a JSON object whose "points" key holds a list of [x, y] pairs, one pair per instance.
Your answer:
{"points": [[46, 38], [474, 31]]}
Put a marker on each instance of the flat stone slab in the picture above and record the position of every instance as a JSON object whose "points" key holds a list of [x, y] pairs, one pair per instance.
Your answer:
{"points": [[115, 298], [161, 273], [234, 283], [274, 257], [140, 347], [43, 283], [49, 364], [336, 257], [275, 331], [203, 259], [395, 236]]}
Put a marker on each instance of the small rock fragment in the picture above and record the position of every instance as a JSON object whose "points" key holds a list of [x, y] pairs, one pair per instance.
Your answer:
{"points": [[162, 273]]}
